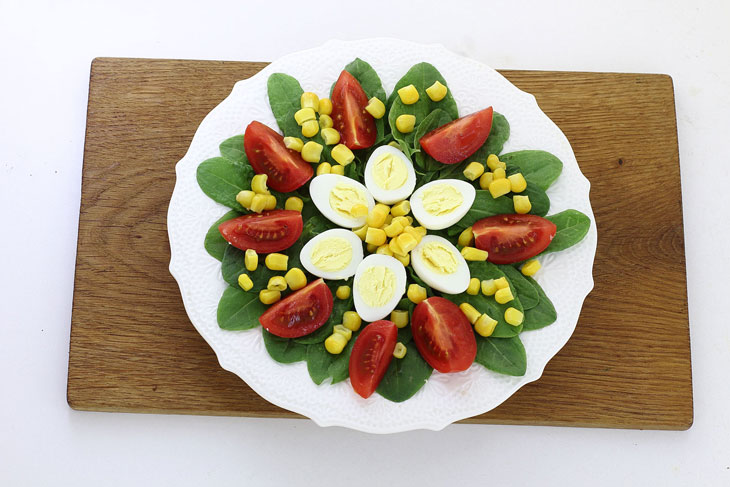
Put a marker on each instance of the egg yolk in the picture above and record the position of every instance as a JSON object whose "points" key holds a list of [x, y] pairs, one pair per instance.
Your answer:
{"points": [[441, 199], [439, 258], [389, 172], [343, 197], [331, 254], [376, 286]]}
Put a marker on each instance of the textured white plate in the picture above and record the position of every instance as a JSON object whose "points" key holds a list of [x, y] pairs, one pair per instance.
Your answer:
{"points": [[566, 276]]}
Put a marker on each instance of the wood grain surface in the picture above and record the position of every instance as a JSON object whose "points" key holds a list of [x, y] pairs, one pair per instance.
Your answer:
{"points": [[133, 348]]}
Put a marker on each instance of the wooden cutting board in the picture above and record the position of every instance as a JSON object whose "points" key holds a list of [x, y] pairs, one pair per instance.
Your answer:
{"points": [[133, 348]]}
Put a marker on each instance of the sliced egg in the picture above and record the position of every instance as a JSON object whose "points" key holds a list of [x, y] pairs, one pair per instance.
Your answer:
{"points": [[440, 265], [335, 197], [389, 175], [334, 254], [380, 282], [441, 203]]}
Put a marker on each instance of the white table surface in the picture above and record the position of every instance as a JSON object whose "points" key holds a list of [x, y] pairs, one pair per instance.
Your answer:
{"points": [[45, 52]]}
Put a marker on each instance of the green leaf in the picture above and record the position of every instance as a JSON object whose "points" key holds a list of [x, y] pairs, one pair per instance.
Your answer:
{"points": [[318, 362], [214, 243], [572, 228], [284, 350], [502, 355], [239, 310], [404, 377], [529, 296], [541, 167], [233, 150], [543, 314], [339, 369], [484, 206], [233, 265], [222, 179]]}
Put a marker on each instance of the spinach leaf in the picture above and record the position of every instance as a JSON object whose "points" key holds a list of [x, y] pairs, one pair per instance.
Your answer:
{"points": [[529, 296], [372, 86], [405, 334], [543, 314], [222, 179], [484, 205], [502, 355], [338, 310], [318, 362], [424, 163], [233, 266], [214, 243], [284, 350], [233, 150], [404, 377], [339, 369], [541, 167], [572, 228], [239, 310]]}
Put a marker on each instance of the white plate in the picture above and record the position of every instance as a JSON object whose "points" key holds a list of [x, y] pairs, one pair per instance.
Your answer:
{"points": [[566, 276]]}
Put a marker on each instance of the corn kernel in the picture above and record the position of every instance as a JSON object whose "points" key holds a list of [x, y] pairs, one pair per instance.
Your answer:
{"points": [[310, 128], [416, 293], [344, 331], [325, 106], [267, 296], [245, 282], [470, 312], [343, 292], [293, 143], [375, 236], [401, 209], [361, 232], [295, 278], [358, 210], [384, 250], [258, 184], [330, 136], [245, 198], [420, 231], [499, 187], [531, 267], [518, 182], [372, 248], [410, 219], [376, 217], [335, 343], [413, 233], [342, 154], [294, 203], [251, 260], [405, 123], [522, 204], [406, 242], [485, 180], [324, 168], [312, 151], [375, 107], [270, 202], [473, 170], [394, 144], [326, 122], [500, 173], [395, 248], [400, 350], [474, 254], [351, 320], [388, 220], [474, 285], [399, 317], [309, 100], [305, 115], [408, 95], [277, 262], [402, 220], [513, 316], [489, 287], [466, 237], [437, 91], [493, 162], [276, 283], [501, 283], [503, 296], [403, 259], [393, 229], [485, 325], [258, 203], [338, 169]]}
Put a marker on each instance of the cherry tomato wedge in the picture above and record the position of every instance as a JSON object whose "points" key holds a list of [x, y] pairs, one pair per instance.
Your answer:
{"points": [[300, 313], [443, 335], [457, 140], [371, 356], [513, 238], [270, 231], [267, 154], [355, 125]]}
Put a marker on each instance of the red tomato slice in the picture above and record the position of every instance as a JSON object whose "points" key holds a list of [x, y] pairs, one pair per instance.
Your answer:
{"points": [[371, 356], [443, 335], [300, 313], [513, 238], [356, 126], [270, 231], [267, 154], [457, 140]]}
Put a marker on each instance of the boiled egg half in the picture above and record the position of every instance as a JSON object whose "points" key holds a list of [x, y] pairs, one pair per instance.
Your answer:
{"points": [[380, 282], [334, 254], [340, 199], [389, 175], [440, 265], [441, 203]]}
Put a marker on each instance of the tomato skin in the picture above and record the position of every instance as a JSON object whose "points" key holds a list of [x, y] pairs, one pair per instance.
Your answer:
{"points": [[513, 238], [371, 356], [300, 313], [443, 335], [267, 154], [355, 125], [270, 231], [457, 140]]}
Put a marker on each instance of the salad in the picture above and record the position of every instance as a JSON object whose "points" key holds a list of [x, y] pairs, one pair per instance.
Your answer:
{"points": [[382, 237]]}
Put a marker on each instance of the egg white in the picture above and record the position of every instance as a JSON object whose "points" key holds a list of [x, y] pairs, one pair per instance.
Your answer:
{"points": [[368, 313], [438, 222], [305, 256], [394, 195], [320, 189], [454, 283]]}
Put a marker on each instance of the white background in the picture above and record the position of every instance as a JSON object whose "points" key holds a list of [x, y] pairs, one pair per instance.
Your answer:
{"points": [[45, 52]]}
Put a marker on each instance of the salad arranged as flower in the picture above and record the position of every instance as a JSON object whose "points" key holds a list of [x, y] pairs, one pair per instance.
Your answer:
{"points": [[381, 237]]}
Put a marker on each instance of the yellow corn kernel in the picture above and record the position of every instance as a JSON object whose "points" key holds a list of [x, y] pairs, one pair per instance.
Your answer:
{"points": [[384, 250], [416, 293], [276, 283], [376, 217], [251, 260], [501, 283], [394, 144], [245, 282], [342, 154], [405, 123], [343, 292], [325, 106], [470, 312], [437, 91], [500, 187], [375, 236], [400, 350], [518, 182], [358, 210], [258, 203], [403, 259], [335, 343], [493, 162], [474, 254], [312, 151], [293, 143], [393, 229], [344, 331], [371, 248], [361, 232], [522, 204], [294, 203], [399, 317], [474, 285], [305, 115], [414, 232], [330, 136], [473, 170], [395, 248], [406, 242], [267, 296], [513, 316], [277, 262], [245, 198], [295, 278], [309, 100], [402, 220], [531, 267], [466, 237], [326, 122], [338, 169], [375, 107], [489, 287], [410, 219], [401, 209], [270, 202], [485, 325], [388, 220], [503, 296], [324, 168], [351, 320], [258, 184], [422, 231], [408, 95], [310, 128], [486, 179], [500, 173]]}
